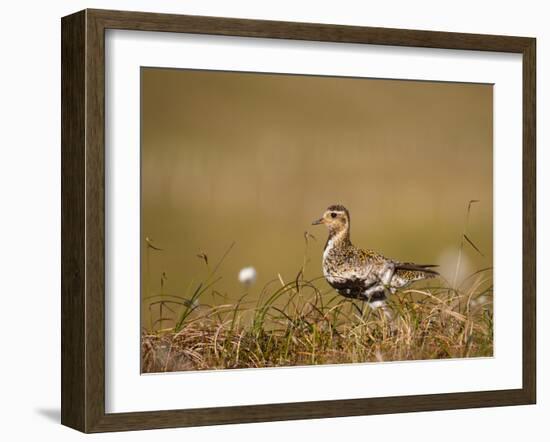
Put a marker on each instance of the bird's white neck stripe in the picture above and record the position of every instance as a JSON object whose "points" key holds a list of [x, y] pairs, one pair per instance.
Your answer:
{"points": [[328, 248]]}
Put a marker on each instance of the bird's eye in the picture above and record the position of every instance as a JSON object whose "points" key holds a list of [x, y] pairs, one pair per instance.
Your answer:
{"points": [[333, 215]]}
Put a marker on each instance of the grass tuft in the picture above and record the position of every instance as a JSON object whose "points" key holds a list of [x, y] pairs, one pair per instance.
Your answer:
{"points": [[295, 324]]}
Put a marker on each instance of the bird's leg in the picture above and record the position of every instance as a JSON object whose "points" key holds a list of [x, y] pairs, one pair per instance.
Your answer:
{"points": [[381, 305]]}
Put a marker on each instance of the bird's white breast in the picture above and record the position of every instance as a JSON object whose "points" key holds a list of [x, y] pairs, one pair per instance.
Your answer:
{"points": [[328, 248]]}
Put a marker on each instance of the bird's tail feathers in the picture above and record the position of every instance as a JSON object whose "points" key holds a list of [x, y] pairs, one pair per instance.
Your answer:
{"points": [[413, 271], [426, 268]]}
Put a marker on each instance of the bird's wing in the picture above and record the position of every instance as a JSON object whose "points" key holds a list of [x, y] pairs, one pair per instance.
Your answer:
{"points": [[369, 264], [370, 256], [376, 262]]}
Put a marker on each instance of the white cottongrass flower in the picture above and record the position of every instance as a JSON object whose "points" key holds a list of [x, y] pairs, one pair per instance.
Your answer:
{"points": [[481, 300], [247, 276]]}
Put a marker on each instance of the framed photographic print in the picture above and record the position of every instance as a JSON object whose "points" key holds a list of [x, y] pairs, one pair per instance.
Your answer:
{"points": [[270, 220]]}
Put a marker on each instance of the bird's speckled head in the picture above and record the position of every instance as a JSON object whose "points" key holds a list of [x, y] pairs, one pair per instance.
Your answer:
{"points": [[336, 218]]}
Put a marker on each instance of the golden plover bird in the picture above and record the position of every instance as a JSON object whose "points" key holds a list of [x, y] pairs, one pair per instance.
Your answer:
{"points": [[363, 274]]}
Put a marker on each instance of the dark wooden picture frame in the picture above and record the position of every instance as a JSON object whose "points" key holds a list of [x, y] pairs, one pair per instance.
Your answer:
{"points": [[83, 219]]}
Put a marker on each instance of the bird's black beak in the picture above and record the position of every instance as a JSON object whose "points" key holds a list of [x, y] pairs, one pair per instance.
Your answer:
{"points": [[318, 221]]}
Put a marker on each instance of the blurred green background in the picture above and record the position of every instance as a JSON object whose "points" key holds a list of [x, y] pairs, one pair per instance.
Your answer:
{"points": [[254, 158]]}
